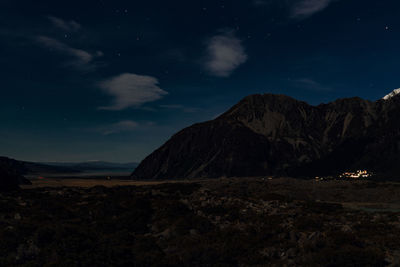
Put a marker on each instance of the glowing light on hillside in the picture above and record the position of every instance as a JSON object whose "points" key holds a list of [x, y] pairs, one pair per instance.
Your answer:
{"points": [[356, 175]]}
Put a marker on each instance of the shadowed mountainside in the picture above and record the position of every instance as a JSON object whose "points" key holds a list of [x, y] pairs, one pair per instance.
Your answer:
{"points": [[278, 135]]}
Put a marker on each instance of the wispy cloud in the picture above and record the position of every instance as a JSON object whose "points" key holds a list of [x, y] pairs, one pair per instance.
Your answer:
{"points": [[312, 85], [180, 107], [225, 53], [306, 8], [119, 127], [69, 26], [131, 90], [81, 58], [81, 55]]}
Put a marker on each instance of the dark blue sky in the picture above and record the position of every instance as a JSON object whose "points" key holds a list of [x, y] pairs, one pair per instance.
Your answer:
{"points": [[113, 80]]}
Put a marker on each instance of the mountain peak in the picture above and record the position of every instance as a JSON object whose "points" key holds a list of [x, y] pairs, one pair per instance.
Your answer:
{"points": [[392, 94]]}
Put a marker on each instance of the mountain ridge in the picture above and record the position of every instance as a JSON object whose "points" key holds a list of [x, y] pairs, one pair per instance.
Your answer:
{"points": [[278, 135]]}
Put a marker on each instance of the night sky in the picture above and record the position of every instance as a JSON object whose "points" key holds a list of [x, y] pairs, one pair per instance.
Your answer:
{"points": [[113, 80]]}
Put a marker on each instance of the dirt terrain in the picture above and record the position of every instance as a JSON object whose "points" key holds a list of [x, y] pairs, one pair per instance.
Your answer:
{"points": [[58, 182], [226, 222]]}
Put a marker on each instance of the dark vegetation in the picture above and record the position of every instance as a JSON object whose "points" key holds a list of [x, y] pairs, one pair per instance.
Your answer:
{"points": [[239, 222]]}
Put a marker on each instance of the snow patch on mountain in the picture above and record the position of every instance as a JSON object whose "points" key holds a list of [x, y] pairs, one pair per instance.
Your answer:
{"points": [[392, 94]]}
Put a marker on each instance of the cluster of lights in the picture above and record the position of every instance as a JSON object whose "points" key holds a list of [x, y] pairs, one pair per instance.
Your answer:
{"points": [[347, 175], [356, 175]]}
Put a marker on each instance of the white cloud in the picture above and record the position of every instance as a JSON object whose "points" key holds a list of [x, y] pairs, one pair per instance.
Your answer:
{"points": [[131, 90], [225, 54], [70, 26], [307, 8], [82, 58], [122, 126]]}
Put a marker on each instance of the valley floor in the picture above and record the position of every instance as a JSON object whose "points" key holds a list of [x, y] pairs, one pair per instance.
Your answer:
{"points": [[87, 183], [226, 222]]}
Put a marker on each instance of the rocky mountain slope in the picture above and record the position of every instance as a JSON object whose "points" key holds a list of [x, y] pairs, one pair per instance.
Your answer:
{"points": [[278, 135]]}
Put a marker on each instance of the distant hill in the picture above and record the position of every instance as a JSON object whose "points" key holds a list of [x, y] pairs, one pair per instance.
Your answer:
{"points": [[93, 165], [40, 168], [278, 135], [11, 174], [12, 171]]}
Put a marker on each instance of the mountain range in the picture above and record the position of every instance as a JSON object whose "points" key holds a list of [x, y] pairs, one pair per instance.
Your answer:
{"points": [[276, 135], [263, 135], [12, 171]]}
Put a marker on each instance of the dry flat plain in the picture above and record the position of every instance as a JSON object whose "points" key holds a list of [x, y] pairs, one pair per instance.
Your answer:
{"points": [[57, 182], [350, 193], [225, 222]]}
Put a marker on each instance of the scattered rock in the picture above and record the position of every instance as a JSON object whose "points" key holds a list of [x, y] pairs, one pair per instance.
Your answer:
{"points": [[347, 229], [27, 251]]}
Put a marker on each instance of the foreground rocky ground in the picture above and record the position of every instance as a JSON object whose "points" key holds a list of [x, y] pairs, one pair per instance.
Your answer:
{"points": [[238, 222]]}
